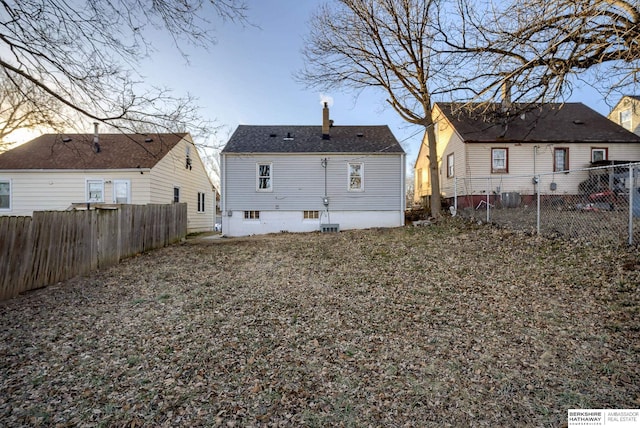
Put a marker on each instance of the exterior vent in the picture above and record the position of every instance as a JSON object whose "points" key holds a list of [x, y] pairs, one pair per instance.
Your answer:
{"points": [[329, 227]]}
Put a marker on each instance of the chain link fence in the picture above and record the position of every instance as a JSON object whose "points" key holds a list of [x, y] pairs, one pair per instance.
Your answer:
{"points": [[600, 204]]}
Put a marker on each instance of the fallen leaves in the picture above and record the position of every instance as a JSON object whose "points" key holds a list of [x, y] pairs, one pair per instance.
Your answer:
{"points": [[451, 324]]}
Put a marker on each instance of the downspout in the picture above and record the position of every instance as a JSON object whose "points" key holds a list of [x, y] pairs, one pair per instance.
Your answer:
{"points": [[223, 187], [403, 189]]}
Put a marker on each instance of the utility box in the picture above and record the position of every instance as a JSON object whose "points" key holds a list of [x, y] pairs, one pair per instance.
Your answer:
{"points": [[329, 227]]}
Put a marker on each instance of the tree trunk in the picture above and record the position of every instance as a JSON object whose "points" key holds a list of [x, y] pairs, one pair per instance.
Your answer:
{"points": [[434, 176]]}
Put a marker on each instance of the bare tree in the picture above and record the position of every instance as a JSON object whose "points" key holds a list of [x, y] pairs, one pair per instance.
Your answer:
{"points": [[384, 44], [26, 108], [544, 47], [83, 55]]}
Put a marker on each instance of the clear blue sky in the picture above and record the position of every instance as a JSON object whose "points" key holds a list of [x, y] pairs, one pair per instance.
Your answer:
{"points": [[246, 78]]}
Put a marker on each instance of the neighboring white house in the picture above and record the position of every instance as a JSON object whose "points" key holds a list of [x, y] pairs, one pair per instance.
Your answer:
{"points": [[550, 138], [63, 171], [309, 178]]}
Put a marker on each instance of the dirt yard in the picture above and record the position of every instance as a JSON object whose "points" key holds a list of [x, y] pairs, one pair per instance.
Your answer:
{"points": [[447, 325]]}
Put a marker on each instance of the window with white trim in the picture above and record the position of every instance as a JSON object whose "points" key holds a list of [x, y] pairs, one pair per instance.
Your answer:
{"points": [[122, 191], [625, 119], [252, 215], [176, 194], [356, 176], [599, 154], [201, 202], [500, 160], [450, 165], [5, 194], [95, 191], [264, 177]]}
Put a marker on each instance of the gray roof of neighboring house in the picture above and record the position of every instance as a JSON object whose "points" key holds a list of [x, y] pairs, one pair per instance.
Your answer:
{"points": [[547, 123], [308, 139], [76, 151]]}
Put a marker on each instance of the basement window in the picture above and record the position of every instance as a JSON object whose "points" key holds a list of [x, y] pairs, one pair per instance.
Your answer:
{"points": [[311, 215], [252, 215]]}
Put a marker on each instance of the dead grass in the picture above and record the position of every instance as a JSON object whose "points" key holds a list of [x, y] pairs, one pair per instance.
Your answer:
{"points": [[448, 325]]}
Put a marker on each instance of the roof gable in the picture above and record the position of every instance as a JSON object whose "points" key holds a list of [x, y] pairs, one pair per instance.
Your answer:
{"points": [[547, 123], [308, 139], [76, 151]]}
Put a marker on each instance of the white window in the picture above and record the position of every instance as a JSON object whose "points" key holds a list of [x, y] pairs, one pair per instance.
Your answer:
{"points": [[450, 165], [95, 191], [5, 195], [200, 202], [625, 119], [356, 176], [598, 154], [500, 160], [264, 177], [252, 215], [121, 191], [176, 194]]}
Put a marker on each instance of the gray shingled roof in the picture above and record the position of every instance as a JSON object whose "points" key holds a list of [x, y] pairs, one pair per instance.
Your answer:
{"points": [[75, 151], [548, 123], [308, 139]]}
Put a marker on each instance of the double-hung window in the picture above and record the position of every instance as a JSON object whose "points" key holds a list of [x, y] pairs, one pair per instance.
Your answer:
{"points": [[95, 191], [499, 160], [356, 176], [200, 202], [598, 154], [450, 165], [264, 177], [121, 191], [560, 159], [176, 194], [625, 119], [5, 195]]}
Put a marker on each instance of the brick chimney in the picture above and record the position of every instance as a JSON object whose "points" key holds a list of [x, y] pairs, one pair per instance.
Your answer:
{"points": [[506, 95], [96, 138], [326, 123]]}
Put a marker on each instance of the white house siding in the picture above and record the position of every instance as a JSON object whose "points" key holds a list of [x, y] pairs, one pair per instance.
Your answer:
{"points": [[54, 190], [298, 184], [475, 161], [171, 172]]}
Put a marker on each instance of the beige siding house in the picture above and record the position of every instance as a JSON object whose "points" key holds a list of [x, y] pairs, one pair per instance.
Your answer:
{"points": [[553, 138], [627, 113], [67, 171]]}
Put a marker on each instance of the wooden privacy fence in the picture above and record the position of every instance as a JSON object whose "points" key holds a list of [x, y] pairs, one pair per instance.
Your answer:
{"points": [[53, 246]]}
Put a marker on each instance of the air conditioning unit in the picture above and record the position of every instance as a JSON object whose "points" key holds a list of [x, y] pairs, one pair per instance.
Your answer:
{"points": [[329, 227]]}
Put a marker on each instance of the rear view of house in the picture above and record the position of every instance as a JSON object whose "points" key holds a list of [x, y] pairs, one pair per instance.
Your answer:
{"points": [[67, 171], [309, 178]]}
